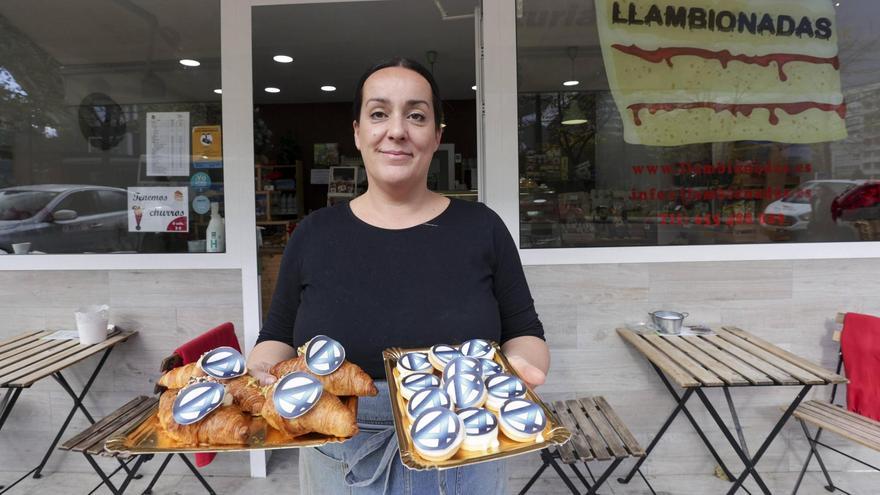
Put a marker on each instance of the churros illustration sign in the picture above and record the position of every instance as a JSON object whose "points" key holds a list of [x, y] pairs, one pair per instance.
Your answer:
{"points": [[696, 71], [158, 209]]}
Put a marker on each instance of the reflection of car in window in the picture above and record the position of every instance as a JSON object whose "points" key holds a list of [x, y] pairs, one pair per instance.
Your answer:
{"points": [[792, 213], [859, 203], [62, 218]]}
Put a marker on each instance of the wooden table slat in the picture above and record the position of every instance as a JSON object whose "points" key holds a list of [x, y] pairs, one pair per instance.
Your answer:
{"points": [[96, 440], [729, 376], [871, 423], [134, 421], [779, 376], [28, 380], [840, 426], [18, 353], [827, 375], [57, 351], [588, 430], [694, 368], [678, 374], [578, 440], [844, 417], [801, 374], [19, 340], [605, 429], [15, 360], [102, 424], [629, 441], [751, 374]]}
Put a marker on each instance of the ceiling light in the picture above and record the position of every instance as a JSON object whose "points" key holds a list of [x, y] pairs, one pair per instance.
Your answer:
{"points": [[573, 114], [572, 53], [328, 88], [282, 59], [218, 91], [571, 83], [474, 87], [190, 62], [272, 90]]}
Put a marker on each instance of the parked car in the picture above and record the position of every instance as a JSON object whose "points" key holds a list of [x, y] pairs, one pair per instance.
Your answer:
{"points": [[791, 214], [65, 218], [859, 203]]}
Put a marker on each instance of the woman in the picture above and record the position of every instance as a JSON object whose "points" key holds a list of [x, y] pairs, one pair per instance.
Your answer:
{"points": [[398, 266]]}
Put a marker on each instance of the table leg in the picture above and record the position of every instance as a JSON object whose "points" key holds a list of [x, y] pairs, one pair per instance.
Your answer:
{"points": [[77, 404], [9, 399], [684, 398], [592, 490], [736, 423], [104, 477]]}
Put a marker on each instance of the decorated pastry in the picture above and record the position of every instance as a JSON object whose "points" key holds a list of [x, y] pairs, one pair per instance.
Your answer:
{"points": [[247, 393], [478, 348], [348, 379], [480, 428], [441, 354], [466, 390], [328, 416], [324, 355], [223, 363], [501, 388], [414, 362], [437, 434], [179, 377], [522, 420], [226, 425], [462, 364], [414, 382], [425, 399], [490, 367], [194, 402], [296, 394]]}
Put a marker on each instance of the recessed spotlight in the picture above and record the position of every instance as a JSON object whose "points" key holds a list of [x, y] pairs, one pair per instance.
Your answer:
{"points": [[218, 91], [190, 62], [328, 88], [282, 59], [272, 90], [474, 87], [571, 83]]}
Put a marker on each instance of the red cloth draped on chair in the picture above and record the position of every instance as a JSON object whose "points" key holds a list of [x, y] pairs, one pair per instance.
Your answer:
{"points": [[860, 344]]}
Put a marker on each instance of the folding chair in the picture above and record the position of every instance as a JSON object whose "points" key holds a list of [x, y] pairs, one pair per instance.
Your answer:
{"points": [[837, 419]]}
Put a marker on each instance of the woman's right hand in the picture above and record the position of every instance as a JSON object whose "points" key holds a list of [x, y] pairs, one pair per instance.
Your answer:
{"points": [[260, 371], [264, 355]]}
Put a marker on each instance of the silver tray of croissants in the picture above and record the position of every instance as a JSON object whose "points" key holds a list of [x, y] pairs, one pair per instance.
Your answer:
{"points": [[456, 405], [213, 405]]}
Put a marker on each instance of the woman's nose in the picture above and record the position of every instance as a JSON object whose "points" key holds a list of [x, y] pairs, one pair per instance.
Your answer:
{"points": [[397, 128]]}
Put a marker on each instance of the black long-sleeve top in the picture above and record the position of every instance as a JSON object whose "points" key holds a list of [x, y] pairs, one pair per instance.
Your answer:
{"points": [[453, 278]]}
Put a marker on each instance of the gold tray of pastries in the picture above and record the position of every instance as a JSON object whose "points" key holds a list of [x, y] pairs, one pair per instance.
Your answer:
{"points": [[213, 406], [511, 421]]}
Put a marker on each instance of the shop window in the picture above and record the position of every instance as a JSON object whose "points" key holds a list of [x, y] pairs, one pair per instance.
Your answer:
{"points": [[110, 126], [643, 124]]}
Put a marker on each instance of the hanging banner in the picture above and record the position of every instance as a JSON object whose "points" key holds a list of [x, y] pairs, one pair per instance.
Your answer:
{"points": [[698, 71], [207, 146], [158, 209]]}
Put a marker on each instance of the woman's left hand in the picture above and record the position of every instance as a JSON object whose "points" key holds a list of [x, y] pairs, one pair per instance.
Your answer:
{"points": [[529, 373]]}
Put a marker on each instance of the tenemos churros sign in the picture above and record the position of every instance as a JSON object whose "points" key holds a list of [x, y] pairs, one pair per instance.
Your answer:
{"points": [[696, 71]]}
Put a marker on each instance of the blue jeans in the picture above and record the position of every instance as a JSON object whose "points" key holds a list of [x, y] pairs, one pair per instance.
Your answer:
{"points": [[369, 463]]}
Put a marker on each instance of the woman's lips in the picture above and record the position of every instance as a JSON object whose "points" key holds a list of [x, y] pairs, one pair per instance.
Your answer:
{"points": [[395, 153]]}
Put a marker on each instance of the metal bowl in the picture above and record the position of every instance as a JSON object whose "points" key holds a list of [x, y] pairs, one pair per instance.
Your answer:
{"points": [[668, 321]]}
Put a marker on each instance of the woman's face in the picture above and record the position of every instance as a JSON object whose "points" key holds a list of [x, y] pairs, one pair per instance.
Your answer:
{"points": [[396, 134]]}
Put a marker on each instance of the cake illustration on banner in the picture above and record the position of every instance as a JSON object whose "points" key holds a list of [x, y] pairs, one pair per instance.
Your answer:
{"points": [[698, 71]]}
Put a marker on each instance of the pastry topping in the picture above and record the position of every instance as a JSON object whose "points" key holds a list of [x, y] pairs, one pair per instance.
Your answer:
{"points": [[445, 353], [418, 381], [505, 386], [744, 109], [476, 348], [465, 390], [437, 429], [427, 398], [462, 364], [524, 416], [478, 421], [415, 361], [196, 401], [297, 393], [223, 363], [490, 367], [324, 355]]}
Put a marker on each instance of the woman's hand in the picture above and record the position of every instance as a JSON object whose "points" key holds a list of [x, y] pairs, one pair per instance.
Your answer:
{"points": [[532, 375], [263, 356], [260, 371]]}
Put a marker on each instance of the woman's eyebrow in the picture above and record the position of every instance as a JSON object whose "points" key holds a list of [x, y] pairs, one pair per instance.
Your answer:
{"points": [[409, 103]]}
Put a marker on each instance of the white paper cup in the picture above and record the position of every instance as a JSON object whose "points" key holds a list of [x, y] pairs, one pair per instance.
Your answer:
{"points": [[91, 323], [21, 248]]}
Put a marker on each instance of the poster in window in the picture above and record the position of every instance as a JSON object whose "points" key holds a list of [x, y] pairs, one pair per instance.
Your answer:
{"points": [[698, 71], [207, 146], [167, 143], [158, 209]]}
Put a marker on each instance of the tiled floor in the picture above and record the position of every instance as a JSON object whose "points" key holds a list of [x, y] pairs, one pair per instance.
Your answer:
{"points": [[227, 477]]}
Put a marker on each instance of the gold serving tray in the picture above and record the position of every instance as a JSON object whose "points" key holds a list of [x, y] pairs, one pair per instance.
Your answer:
{"points": [[148, 437], [554, 433]]}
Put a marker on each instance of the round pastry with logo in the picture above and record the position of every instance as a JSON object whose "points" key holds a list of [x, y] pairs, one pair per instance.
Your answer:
{"points": [[223, 363], [490, 367], [441, 354], [414, 382], [425, 399], [501, 388], [480, 429], [414, 362], [324, 355], [522, 420], [462, 364], [478, 348], [465, 390], [437, 434]]}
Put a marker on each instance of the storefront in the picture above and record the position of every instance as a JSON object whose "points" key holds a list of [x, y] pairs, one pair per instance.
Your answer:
{"points": [[724, 162]]}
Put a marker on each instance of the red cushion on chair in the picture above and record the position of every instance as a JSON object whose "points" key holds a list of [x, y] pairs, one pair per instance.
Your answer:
{"points": [[860, 344], [223, 335]]}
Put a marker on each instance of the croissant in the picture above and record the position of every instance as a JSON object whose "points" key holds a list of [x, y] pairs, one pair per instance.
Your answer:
{"points": [[227, 425], [247, 393], [180, 376], [349, 379], [329, 416]]}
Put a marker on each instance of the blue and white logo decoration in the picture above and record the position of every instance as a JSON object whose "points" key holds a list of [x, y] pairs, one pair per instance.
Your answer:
{"points": [[427, 398], [465, 390], [477, 348], [419, 381], [445, 353], [415, 361], [223, 363], [200, 181], [523, 416], [462, 364], [201, 204], [490, 367], [296, 394], [196, 401], [478, 421], [505, 386], [324, 355], [437, 429]]}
